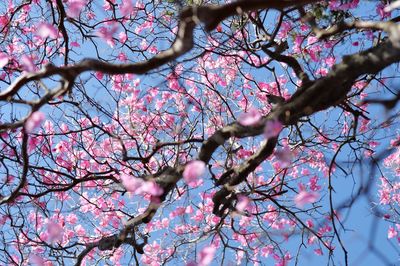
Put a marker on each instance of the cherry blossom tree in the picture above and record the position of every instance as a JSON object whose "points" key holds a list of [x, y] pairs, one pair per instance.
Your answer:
{"points": [[188, 132]]}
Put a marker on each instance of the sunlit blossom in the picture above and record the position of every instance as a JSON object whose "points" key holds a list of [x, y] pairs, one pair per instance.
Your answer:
{"points": [[305, 197], [193, 170]]}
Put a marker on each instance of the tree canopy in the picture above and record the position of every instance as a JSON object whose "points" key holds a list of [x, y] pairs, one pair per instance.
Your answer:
{"points": [[192, 132]]}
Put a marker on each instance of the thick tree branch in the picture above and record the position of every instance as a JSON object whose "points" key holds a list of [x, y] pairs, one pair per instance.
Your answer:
{"points": [[240, 173]]}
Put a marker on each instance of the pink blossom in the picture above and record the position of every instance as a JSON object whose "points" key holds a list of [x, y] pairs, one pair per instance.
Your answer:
{"points": [[107, 33], [75, 44], [146, 25], [47, 30], [250, 118], [48, 127], [392, 232], [330, 61], [318, 251], [312, 40], [126, 7], [33, 143], [284, 30], [62, 146], [206, 256], [34, 121], [36, 260], [321, 71], [131, 183], [284, 156], [304, 27], [3, 60], [305, 197], [54, 230], [177, 212], [189, 209], [79, 230], [27, 63], [122, 57], [71, 218], [313, 183], [152, 188], [305, 171], [311, 240], [90, 15], [193, 170], [380, 10], [338, 5], [267, 250], [123, 37], [272, 128], [144, 45], [239, 256], [4, 20], [242, 203], [282, 261], [139, 186], [75, 7], [310, 223], [297, 43], [3, 219], [99, 75]]}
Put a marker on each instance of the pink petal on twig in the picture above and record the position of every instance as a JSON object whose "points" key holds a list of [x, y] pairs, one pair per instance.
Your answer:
{"points": [[305, 197]]}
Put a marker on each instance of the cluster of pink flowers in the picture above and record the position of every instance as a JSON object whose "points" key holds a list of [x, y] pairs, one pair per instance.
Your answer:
{"points": [[75, 7], [253, 116], [140, 186], [34, 121], [193, 170]]}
